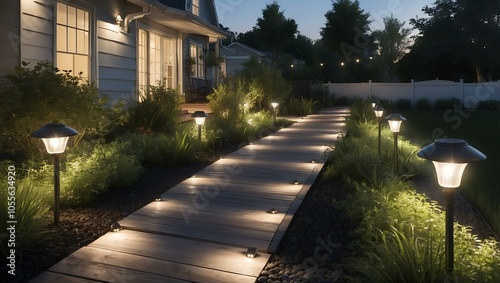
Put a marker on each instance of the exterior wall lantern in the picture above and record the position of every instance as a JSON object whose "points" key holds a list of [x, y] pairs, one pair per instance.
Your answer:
{"points": [[450, 157], [55, 137]]}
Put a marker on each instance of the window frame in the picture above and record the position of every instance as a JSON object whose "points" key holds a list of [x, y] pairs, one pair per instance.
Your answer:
{"points": [[198, 68], [92, 56], [164, 38]]}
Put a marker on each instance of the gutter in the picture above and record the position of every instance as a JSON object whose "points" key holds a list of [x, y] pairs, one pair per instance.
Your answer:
{"points": [[146, 10]]}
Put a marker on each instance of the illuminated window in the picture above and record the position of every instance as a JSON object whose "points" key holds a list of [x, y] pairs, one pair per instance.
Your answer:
{"points": [[193, 6], [73, 43], [196, 7], [156, 59], [196, 54]]}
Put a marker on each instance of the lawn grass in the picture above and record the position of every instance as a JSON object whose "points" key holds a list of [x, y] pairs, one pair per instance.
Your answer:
{"points": [[481, 129]]}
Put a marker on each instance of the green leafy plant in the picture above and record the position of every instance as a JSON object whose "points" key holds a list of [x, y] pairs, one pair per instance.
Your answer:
{"points": [[85, 176], [29, 211], [157, 110], [43, 94], [423, 103], [300, 107], [450, 103], [267, 81], [403, 103], [361, 110], [159, 149]]}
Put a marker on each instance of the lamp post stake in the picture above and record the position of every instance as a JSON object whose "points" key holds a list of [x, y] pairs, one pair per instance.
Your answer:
{"points": [[57, 188], [449, 196]]}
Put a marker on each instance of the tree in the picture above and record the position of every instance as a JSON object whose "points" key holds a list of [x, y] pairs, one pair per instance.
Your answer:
{"points": [[346, 34], [274, 31], [346, 29], [393, 41], [464, 32]]}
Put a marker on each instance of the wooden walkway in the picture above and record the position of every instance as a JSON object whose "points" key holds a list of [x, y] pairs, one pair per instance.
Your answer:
{"points": [[201, 230]]}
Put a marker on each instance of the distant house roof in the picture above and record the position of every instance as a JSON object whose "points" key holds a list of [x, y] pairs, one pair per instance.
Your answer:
{"points": [[240, 49]]}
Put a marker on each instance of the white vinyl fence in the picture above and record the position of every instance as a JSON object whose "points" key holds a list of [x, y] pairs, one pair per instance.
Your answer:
{"points": [[468, 93]]}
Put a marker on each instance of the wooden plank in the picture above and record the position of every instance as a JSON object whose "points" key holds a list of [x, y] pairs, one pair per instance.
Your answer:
{"points": [[209, 255], [214, 237], [153, 266], [178, 226], [88, 271], [56, 277], [205, 213]]}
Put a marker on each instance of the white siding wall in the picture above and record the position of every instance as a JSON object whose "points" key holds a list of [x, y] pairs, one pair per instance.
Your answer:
{"points": [[10, 36], [205, 10], [117, 61], [37, 30]]}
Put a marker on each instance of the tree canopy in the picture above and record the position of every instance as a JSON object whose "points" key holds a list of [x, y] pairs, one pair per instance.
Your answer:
{"points": [[346, 29], [392, 41], [458, 36], [274, 31]]}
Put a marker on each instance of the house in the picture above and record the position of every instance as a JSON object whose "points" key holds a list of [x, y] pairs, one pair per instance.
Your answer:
{"points": [[121, 45], [235, 55]]}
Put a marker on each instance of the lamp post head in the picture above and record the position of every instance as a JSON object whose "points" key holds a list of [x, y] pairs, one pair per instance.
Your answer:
{"points": [[54, 136], [379, 111], [395, 120], [274, 105], [199, 117], [450, 156]]}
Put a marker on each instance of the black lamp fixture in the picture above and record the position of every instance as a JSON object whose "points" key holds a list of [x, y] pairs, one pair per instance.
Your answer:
{"points": [[379, 111], [450, 157], [199, 118], [274, 105], [55, 137], [395, 121]]}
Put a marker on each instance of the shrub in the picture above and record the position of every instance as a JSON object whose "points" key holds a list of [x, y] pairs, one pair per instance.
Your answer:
{"points": [[44, 94], [342, 101], [423, 103], [361, 111], [159, 149], [403, 104], [488, 105], [29, 210], [85, 176], [267, 81], [322, 97], [447, 103], [300, 107], [157, 110], [228, 100]]}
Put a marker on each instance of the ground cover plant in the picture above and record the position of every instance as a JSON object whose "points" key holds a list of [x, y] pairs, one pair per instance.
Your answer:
{"points": [[400, 234]]}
